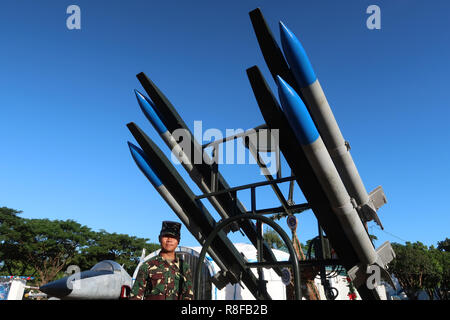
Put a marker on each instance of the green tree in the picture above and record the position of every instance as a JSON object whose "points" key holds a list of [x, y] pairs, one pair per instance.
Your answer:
{"points": [[373, 237], [274, 241], [123, 249], [445, 284], [418, 267], [433, 278], [44, 249], [39, 246], [442, 255], [408, 267], [9, 265]]}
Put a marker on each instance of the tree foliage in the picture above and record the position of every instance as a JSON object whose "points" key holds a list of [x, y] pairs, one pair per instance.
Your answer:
{"points": [[274, 241], [122, 248], [44, 248], [444, 245], [418, 267]]}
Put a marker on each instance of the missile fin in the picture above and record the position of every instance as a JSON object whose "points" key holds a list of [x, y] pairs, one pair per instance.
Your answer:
{"points": [[377, 197], [369, 210]]}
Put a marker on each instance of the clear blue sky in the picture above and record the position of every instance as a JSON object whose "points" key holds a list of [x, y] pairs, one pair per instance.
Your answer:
{"points": [[66, 96]]}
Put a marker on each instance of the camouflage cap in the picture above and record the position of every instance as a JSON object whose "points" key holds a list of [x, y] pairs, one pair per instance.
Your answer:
{"points": [[170, 228]]}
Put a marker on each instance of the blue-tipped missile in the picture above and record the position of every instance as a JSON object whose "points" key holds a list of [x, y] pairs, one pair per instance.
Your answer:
{"points": [[312, 94], [306, 179], [201, 173], [309, 184], [297, 58], [295, 157], [148, 108], [162, 108], [317, 154], [149, 111], [194, 210], [277, 65], [144, 165]]}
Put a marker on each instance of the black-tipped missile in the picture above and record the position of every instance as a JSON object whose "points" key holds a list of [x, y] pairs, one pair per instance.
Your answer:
{"points": [[196, 212], [201, 173], [106, 280], [306, 178], [317, 104], [269, 48]]}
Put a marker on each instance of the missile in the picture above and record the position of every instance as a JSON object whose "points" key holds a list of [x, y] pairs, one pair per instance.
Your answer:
{"points": [[277, 65], [323, 167], [275, 119], [148, 109], [308, 183], [143, 164], [273, 56], [306, 178], [297, 161], [172, 120], [315, 100], [197, 213], [106, 280], [159, 110]]}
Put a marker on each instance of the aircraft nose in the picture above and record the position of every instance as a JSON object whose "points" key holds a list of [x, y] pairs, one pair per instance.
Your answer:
{"points": [[58, 288]]}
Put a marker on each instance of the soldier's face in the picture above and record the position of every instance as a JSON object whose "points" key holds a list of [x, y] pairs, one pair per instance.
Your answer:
{"points": [[168, 244]]}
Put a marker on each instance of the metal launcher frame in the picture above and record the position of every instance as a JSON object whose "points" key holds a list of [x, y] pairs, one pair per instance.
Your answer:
{"points": [[323, 170], [287, 208]]}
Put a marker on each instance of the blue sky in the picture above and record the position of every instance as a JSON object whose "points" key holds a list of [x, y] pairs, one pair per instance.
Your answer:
{"points": [[67, 95]]}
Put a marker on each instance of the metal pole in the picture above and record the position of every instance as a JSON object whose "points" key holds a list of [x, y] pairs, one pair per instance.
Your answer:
{"points": [[246, 186], [323, 272], [254, 151]]}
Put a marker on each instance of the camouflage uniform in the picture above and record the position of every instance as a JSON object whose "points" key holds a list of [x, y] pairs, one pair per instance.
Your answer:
{"points": [[160, 279]]}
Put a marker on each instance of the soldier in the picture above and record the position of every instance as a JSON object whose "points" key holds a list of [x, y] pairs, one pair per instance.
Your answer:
{"points": [[165, 276]]}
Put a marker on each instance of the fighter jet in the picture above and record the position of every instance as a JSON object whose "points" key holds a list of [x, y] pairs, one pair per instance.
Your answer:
{"points": [[106, 280]]}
